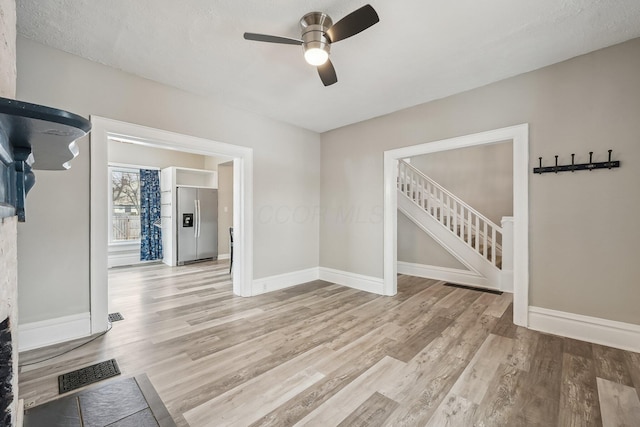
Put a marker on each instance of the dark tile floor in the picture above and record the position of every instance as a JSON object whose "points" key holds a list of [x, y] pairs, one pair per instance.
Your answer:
{"points": [[122, 403]]}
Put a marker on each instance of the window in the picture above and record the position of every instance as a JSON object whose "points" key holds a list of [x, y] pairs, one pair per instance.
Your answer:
{"points": [[124, 205]]}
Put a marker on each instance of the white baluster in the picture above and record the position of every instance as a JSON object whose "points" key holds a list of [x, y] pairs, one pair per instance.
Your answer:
{"points": [[445, 209], [484, 238], [425, 194], [477, 239], [494, 249], [469, 226], [449, 209], [414, 185], [430, 200], [455, 218]]}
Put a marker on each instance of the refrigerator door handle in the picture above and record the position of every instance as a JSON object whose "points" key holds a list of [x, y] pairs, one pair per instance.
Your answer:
{"points": [[195, 222], [199, 219]]}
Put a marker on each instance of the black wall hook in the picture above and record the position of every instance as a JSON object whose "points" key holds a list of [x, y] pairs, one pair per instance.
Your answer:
{"points": [[610, 164], [573, 163]]}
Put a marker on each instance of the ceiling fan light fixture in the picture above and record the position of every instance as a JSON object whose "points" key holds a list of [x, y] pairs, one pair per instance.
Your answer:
{"points": [[314, 27], [316, 56], [318, 33]]}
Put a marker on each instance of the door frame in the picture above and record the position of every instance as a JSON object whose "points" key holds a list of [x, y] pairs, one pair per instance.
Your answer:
{"points": [[104, 129], [519, 135]]}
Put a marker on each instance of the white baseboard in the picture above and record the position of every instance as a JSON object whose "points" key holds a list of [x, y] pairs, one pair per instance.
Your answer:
{"points": [[625, 336], [224, 256], [119, 260], [53, 331], [452, 275], [343, 278], [283, 281], [352, 280]]}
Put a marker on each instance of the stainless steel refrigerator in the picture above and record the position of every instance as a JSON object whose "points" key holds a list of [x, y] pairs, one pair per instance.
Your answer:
{"points": [[197, 224]]}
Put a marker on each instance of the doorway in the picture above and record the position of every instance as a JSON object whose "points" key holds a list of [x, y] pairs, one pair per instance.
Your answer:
{"points": [[105, 129], [519, 135]]}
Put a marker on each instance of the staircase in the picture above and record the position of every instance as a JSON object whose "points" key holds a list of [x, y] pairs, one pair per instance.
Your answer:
{"points": [[479, 244]]}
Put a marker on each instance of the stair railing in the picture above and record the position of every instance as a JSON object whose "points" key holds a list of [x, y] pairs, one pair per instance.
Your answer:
{"points": [[476, 230]]}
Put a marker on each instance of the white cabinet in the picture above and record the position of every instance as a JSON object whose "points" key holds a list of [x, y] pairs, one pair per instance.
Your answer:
{"points": [[171, 178]]}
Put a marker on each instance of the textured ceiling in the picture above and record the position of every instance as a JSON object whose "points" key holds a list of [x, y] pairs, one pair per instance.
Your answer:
{"points": [[419, 51]]}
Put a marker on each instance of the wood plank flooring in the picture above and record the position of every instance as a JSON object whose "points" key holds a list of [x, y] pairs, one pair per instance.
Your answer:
{"points": [[324, 355]]}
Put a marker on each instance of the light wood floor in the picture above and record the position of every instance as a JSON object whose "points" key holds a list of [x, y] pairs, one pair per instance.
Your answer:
{"points": [[324, 355]]}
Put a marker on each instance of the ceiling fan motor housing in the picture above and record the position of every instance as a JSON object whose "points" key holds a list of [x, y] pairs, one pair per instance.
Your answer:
{"points": [[314, 28]]}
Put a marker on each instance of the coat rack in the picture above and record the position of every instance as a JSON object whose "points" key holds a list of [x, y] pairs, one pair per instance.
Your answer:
{"points": [[577, 167]]}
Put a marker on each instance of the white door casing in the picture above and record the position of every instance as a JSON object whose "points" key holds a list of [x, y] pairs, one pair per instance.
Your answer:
{"points": [[102, 130], [519, 135]]}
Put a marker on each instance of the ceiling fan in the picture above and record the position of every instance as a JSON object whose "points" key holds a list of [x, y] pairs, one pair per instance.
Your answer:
{"points": [[319, 32]]}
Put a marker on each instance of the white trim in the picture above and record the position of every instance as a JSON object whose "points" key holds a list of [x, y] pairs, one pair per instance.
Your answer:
{"points": [[119, 260], [352, 280], [47, 332], [519, 135], [124, 246], [131, 259], [506, 280], [103, 130], [124, 253], [283, 281], [131, 167], [20, 414], [625, 336], [224, 256], [453, 275]]}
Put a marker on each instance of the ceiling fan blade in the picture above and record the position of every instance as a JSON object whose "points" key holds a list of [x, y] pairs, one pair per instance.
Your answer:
{"points": [[327, 73], [271, 39], [353, 23]]}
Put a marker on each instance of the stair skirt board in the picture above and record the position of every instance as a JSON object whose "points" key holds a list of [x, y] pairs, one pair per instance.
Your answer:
{"points": [[451, 275]]}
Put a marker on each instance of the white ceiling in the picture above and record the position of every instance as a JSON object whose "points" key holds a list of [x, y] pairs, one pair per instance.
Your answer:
{"points": [[419, 51]]}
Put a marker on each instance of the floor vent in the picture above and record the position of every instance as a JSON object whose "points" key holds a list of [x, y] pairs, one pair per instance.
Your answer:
{"points": [[471, 288], [114, 317], [89, 375]]}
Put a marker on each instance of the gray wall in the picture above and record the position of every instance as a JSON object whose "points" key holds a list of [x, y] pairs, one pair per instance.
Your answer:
{"points": [[54, 244], [583, 238], [417, 247], [136, 154], [481, 176]]}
